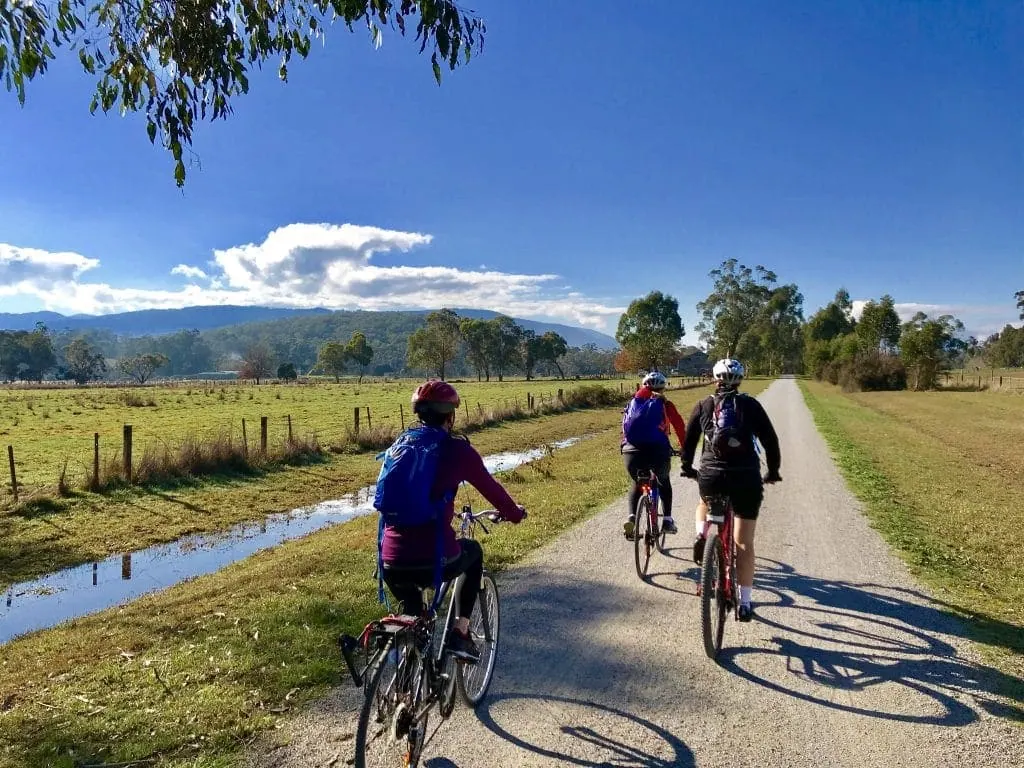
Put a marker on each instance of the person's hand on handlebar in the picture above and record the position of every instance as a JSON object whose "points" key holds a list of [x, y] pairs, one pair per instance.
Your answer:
{"points": [[687, 470], [498, 518]]}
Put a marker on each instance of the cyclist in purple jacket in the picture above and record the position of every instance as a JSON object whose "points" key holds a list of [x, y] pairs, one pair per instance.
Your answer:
{"points": [[410, 553]]}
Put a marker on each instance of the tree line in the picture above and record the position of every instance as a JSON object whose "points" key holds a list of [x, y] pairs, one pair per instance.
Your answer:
{"points": [[751, 316], [495, 347], [748, 314]]}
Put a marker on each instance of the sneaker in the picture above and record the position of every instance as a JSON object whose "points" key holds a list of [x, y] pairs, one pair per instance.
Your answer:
{"points": [[698, 550], [629, 527], [462, 647], [746, 612], [668, 525]]}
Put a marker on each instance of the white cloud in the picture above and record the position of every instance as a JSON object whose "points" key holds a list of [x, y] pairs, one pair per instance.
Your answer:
{"points": [[29, 270], [316, 265], [194, 273]]}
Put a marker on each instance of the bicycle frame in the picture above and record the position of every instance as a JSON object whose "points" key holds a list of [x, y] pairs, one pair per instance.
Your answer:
{"points": [[649, 488], [720, 513], [383, 633]]}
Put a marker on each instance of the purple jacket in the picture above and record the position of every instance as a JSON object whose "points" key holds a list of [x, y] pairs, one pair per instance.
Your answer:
{"points": [[459, 462]]}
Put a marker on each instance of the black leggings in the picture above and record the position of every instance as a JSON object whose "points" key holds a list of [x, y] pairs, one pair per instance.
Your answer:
{"points": [[645, 462], [406, 583]]}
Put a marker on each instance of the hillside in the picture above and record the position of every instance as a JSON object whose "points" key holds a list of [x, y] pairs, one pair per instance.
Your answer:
{"points": [[298, 338], [153, 322], [157, 322]]}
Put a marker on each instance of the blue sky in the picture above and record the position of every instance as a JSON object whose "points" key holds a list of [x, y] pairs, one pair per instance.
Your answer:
{"points": [[587, 157]]}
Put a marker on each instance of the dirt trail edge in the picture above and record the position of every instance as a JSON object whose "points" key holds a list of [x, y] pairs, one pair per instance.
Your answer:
{"points": [[848, 663]]}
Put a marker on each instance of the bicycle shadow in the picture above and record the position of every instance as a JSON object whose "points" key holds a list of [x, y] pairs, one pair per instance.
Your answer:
{"points": [[843, 636], [613, 742], [680, 582], [557, 693]]}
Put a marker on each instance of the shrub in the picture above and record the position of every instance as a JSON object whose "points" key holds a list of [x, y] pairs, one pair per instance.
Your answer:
{"points": [[873, 373]]}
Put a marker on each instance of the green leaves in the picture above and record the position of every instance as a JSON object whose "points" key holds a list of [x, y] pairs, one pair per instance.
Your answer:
{"points": [[180, 62], [650, 329]]}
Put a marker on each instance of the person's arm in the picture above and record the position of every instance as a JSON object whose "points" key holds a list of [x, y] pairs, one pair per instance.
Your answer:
{"points": [[692, 437], [765, 432], [475, 473], [676, 421]]}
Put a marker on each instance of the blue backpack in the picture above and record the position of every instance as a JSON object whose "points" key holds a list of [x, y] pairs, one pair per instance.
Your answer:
{"points": [[641, 423], [405, 485]]}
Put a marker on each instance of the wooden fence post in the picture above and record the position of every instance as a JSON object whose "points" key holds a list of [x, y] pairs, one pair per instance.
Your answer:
{"points": [[126, 451], [561, 397], [96, 461], [401, 415], [263, 435], [369, 418], [290, 429], [126, 567], [14, 476], [245, 439], [356, 419], [467, 411]]}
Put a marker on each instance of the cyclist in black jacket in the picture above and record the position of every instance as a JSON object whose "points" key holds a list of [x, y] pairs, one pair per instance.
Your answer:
{"points": [[733, 470]]}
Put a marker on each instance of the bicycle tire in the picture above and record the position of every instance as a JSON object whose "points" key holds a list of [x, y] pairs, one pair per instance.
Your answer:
{"points": [[446, 664], [642, 537], [383, 722], [485, 629], [712, 598], [661, 529]]}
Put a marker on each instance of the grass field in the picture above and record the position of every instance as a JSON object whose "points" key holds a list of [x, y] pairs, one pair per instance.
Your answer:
{"points": [[48, 426], [942, 477], [192, 673]]}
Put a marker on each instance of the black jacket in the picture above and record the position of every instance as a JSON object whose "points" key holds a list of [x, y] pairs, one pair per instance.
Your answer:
{"points": [[755, 423]]}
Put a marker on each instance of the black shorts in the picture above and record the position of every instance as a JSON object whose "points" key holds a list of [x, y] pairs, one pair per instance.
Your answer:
{"points": [[744, 490]]}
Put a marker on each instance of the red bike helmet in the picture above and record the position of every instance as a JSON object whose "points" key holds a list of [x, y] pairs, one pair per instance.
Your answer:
{"points": [[439, 396]]}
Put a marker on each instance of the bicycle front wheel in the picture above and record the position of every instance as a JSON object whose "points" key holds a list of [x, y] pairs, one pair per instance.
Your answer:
{"points": [[387, 733], [712, 596], [643, 538], [484, 628]]}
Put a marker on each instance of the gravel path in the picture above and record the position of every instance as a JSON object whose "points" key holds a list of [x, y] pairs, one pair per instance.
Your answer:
{"points": [[848, 662]]}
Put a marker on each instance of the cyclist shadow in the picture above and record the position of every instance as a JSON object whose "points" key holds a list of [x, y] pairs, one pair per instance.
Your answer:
{"points": [[614, 738], [854, 637]]}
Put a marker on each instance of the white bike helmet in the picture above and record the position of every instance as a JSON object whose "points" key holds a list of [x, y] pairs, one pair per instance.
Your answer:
{"points": [[655, 381], [728, 372]]}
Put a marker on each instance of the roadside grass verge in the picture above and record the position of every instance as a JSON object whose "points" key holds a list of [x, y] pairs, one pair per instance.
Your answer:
{"points": [[189, 676], [937, 478]]}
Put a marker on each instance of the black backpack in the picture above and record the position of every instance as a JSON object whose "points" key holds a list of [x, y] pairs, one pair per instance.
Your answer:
{"points": [[728, 438]]}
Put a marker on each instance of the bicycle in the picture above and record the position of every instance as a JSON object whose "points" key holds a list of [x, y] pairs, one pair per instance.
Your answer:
{"points": [[409, 669], [648, 530], [717, 588]]}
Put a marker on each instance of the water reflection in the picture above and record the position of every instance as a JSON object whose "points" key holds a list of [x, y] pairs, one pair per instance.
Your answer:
{"points": [[80, 591]]}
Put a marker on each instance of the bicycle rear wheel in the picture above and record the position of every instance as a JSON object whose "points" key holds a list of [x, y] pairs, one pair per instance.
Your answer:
{"points": [[712, 596], [386, 734], [643, 539], [661, 528], [484, 628]]}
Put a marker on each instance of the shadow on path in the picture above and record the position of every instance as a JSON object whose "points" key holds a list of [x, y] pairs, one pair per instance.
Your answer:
{"points": [[616, 738], [850, 637]]}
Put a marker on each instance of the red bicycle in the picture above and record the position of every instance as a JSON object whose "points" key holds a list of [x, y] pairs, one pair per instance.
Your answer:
{"points": [[717, 588], [649, 532]]}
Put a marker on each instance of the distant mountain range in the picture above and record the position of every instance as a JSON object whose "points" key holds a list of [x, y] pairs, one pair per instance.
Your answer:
{"points": [[156, 322]]}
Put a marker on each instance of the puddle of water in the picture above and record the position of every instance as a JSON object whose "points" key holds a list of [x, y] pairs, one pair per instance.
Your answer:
{"points": [[85, 589]]}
